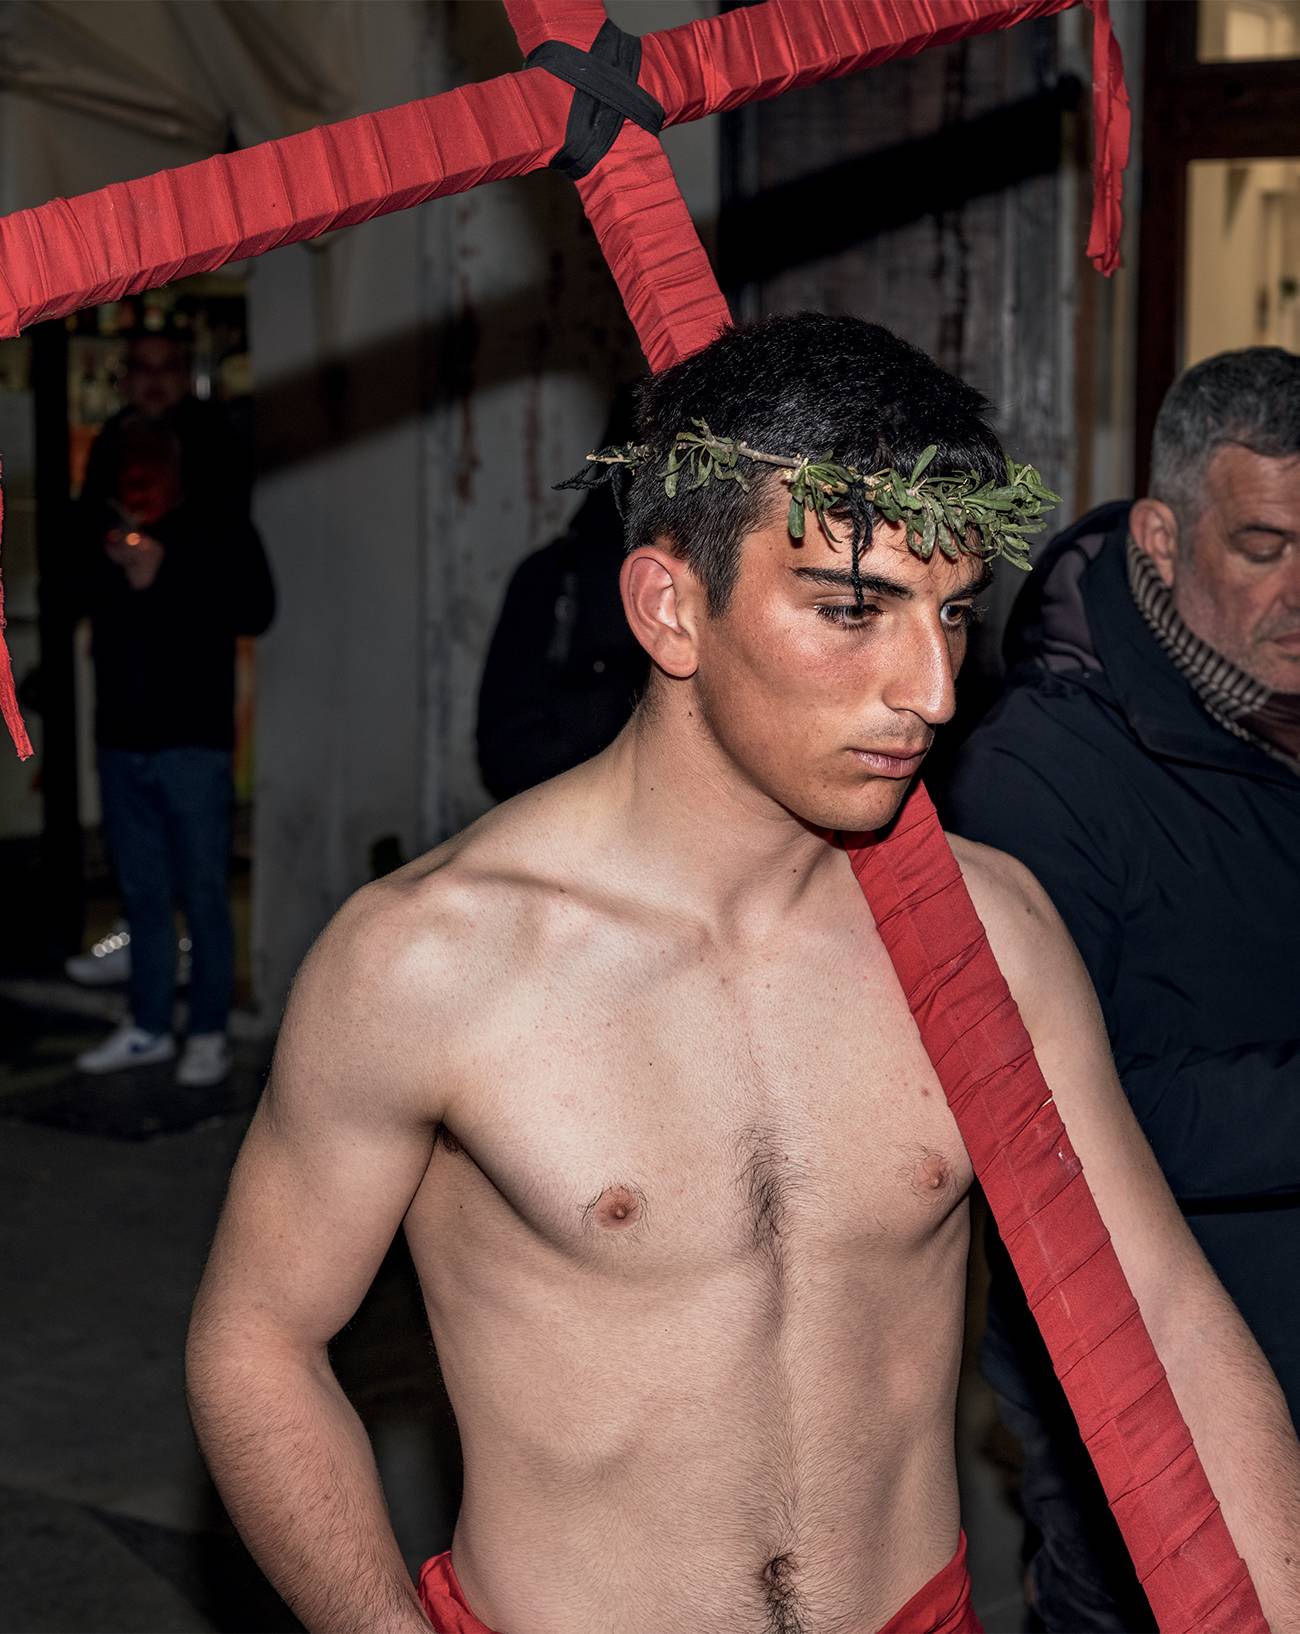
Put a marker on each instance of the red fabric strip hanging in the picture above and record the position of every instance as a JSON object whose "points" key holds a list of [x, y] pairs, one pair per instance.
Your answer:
{"points": [[1036, 1190], [8, 696], [1111, 130]]}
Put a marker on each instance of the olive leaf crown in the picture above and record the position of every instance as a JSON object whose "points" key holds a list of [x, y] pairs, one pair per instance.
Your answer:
{"points": [[955, 514]]}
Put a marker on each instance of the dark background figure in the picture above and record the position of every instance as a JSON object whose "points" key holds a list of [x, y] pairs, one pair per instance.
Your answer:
{"points": [[170, 572], [1144, 763], [563, 671], [216, 457]]}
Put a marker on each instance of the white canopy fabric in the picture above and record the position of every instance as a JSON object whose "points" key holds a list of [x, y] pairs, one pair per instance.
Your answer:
{"points": [[98, 93]]}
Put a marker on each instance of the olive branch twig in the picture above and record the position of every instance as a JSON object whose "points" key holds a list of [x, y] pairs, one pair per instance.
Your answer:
{"points": [[951, 513]]}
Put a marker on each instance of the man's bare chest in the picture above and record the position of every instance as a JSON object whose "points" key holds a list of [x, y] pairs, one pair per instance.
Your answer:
{"points": [[779, 1108]]}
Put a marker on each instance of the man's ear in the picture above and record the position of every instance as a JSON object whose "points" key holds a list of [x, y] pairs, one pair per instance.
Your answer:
{"points": [[664, 602], [1155, 530]]}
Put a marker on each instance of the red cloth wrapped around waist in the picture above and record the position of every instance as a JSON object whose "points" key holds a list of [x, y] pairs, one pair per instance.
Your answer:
{"points": [[941, 1607]]}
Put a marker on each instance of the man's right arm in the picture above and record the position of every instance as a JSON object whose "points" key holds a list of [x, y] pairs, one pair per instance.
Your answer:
{"points": [[335, 1153]]}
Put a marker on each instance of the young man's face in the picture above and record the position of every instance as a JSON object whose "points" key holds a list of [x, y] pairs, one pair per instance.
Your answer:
{"points": [[829, 710]]}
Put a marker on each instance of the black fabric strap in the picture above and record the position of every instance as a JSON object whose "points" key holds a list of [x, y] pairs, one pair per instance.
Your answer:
{"points": [[605, 93]]}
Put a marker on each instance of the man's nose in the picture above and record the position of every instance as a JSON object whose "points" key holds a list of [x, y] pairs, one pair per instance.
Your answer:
{"points": [[924, 683]]}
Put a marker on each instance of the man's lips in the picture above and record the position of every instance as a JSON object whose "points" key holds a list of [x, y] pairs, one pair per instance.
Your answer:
{"points": [[890, 762]]}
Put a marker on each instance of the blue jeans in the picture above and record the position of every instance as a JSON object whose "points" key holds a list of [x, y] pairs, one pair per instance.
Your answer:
{"points": [[166, 819]]}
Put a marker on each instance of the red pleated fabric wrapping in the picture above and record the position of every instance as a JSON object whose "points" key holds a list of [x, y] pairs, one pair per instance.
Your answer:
{"points": [[1111, 131], [653, 250], [762, 51], [136, 235], [8, 696], [634, 204], [1039, 1197]]}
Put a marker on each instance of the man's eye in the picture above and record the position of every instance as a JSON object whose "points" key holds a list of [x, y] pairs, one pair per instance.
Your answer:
{"points": [[848, 615], [1262, 545], [960, 616]]}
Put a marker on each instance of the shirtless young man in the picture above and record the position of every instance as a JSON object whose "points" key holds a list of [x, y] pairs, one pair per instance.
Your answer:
{"points": [[629, 1062]]}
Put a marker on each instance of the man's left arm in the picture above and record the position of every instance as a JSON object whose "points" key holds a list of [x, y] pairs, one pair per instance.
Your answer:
{"points": [[1223, 1386]]}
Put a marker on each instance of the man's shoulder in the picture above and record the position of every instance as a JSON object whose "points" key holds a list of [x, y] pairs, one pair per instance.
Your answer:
{"points": [[1023, 927], [998, 881], [466, 918]]}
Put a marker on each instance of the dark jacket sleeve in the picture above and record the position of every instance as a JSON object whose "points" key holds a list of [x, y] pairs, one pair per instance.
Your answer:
{"points": [[1023, 786], [1224, 1124], [1028, 785]]}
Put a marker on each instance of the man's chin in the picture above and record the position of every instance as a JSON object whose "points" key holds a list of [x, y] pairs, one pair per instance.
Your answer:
{"points": [[862, 811]]}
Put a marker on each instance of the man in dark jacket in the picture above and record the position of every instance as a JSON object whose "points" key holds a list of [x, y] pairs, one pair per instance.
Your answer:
{"points": [[564, 671], [1144, 763]]}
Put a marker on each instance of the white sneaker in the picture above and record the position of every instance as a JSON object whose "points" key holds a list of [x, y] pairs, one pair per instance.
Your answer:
{"points": [[107, 963], [127, 1046], [205, 1060]]}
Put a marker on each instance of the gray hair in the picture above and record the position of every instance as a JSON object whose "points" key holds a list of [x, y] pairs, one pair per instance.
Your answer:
{"points": [[1250, 398]]}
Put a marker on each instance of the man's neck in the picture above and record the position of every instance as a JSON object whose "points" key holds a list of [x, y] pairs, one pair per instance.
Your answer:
{"points": [[731, 855]]}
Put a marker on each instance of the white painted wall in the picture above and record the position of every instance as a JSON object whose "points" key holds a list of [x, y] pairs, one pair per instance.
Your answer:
{"points": [[338, 691]]}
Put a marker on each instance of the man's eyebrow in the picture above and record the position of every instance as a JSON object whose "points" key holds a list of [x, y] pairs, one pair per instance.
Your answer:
{"points": [[980, 583], [875, 584], [839, 578]]}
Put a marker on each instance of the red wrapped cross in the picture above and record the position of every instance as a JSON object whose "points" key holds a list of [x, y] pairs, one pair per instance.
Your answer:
{"points": [[137, 235]]}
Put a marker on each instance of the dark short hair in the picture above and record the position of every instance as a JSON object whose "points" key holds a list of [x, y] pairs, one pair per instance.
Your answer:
{"points": [[1250, 398], [799, 384]]}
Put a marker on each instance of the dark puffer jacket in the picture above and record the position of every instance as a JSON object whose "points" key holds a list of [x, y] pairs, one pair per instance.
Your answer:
{"points": [[1172, 851]]}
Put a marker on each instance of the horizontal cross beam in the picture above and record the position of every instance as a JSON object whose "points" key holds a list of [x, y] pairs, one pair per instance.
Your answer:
{"points": [[137, 235]]}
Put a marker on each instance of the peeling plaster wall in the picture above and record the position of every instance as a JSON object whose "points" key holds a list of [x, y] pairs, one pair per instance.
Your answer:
{"points": [[956, 190]]}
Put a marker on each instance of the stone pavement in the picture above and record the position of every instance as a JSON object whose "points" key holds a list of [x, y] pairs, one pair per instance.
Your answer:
{"points": [[108, 1522]]}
